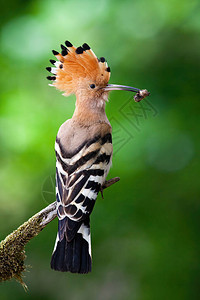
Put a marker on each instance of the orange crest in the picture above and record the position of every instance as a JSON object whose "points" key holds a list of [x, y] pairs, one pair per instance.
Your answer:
{"points": [[74, 66]]}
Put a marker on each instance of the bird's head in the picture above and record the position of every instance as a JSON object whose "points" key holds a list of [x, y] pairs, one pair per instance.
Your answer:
{"points": [[78, 71]]}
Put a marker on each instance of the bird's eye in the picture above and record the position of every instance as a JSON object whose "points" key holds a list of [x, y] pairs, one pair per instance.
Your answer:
{"points": [[92, 86]]}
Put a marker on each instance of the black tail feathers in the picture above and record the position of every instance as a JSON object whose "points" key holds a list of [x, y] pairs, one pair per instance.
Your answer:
{"points": [[73, 256]]}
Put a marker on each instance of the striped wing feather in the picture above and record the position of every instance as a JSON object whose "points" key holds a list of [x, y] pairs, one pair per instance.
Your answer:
{"points": [[78, 185]]}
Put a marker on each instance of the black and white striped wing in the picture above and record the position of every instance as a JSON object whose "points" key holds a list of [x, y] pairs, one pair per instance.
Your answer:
{"points": [[78, 180]]}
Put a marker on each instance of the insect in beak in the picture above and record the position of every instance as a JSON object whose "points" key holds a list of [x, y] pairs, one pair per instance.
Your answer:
{"points": [[140, 94]]}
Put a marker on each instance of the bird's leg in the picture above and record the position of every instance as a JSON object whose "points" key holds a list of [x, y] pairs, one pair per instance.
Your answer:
{"points": [[101, 190], [108, 183]]}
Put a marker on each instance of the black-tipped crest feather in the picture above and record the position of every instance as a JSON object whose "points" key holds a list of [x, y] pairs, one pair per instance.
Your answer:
{"points": [[68, 44], [55, 52], [52, 61], [86, 46], [79, 50]]}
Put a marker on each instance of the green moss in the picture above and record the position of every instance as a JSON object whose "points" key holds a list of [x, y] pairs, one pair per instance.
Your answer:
{"points": [[12, 253]]}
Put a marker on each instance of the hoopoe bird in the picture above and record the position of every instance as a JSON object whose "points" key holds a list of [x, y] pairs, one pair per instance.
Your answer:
{"points": [[83, 151]]}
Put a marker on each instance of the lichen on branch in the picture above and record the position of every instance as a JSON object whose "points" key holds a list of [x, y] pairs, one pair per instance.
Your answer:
{"points": [[12, 253]]}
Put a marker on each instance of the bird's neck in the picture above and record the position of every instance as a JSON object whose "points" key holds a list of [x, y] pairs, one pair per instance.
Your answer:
{"points": [[90, 111]]}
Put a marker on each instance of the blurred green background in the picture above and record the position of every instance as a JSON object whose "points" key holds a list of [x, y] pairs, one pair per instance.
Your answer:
{"points": [[145, 233]]}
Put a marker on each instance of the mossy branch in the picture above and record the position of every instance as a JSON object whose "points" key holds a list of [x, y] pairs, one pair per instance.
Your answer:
{"points": [[12, 253]]}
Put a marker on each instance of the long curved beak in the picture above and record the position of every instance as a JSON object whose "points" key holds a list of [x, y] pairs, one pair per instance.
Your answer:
{"points": [[117, 87], [140, 94]]}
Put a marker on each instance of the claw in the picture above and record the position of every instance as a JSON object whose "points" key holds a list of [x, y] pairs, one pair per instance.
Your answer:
{"points": [[101, 190]]}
